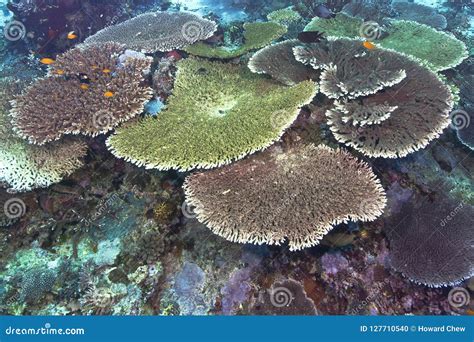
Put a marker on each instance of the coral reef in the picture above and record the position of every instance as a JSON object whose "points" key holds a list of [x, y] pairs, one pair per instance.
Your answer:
{"points": [[256, 36], [463, 122], [431, 240], [285, 16], [24, 167], [157, 31], [286, 297], [163, 77], [295, 195], [348, 70], [439, 50], [89, 90], [397, 116], [278, 61], [374, 10], [231, 114], [421, 14]]}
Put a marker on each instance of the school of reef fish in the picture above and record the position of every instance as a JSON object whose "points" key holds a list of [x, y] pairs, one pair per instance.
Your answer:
{"points": [[156, 159]]}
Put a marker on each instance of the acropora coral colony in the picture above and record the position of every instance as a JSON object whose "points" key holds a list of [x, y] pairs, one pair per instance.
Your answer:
{"points": [[387, 101]]}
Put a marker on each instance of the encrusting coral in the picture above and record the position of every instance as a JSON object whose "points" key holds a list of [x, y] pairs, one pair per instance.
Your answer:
{"points": [[256, 36], [89, 90], [278, 61], [24, 167], [217, 113], [295, 195], [389, 118], [157, 31], [439, 50], [431, 240]]}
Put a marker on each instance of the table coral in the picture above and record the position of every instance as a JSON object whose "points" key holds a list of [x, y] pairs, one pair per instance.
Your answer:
{"points": [[397, 116], [256, 36], [24, 167], [278, 61], [431, 240], [157, 31], [439, 50], [295, 195], [89, 90], [232, 113]]}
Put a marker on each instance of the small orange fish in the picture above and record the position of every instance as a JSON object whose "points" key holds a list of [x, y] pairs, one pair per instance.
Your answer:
{"points": [[84, 86], [47, 61], [71, 35], [106, 71], [108, 94], [369, 45], [60, 72], [95, 67]]}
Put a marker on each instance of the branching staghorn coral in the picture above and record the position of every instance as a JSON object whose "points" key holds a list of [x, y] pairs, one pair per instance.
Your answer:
{"points": [[24, 167], [279, 62], [437, 49], [217, 113], [157, 31], [89, 90], [398, 117], [256, 36], [431, 240], [349, 70], [295, 195]]}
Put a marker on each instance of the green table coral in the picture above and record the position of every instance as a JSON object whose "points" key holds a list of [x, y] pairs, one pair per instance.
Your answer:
{"points": [[256, 36], [437, 49], [218, 113]]}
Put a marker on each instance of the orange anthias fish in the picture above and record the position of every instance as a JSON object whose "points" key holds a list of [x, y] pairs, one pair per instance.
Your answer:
{"points": [[60, 72], [106, 71], [108, 94], [47, 61], [84, 86], [71, 35], [369, 45]]}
